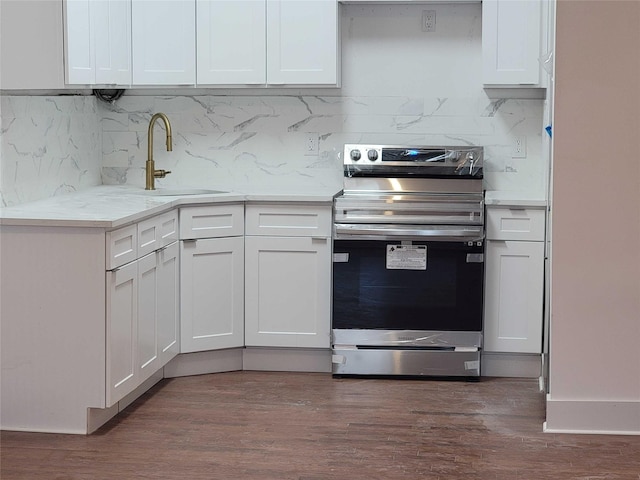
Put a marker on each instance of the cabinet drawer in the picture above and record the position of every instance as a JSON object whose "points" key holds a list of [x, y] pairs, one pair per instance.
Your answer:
{"points": [[157, 232], [122, 246], [212, 221], [515, 224], [289, 220]]}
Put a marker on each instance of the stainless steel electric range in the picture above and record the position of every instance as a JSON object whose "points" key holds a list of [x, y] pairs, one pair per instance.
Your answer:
{"points": [[408, 263]]}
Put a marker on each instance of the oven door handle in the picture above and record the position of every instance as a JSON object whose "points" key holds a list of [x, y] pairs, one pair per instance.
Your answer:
{"points": [[441, 233]]}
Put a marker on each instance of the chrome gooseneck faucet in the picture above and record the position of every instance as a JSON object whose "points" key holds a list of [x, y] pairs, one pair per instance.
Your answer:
{"points": [[151, 171]]}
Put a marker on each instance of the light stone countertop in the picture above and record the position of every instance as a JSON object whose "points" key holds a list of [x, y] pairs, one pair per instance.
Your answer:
{"points": [[514, 199], [108, 206]]}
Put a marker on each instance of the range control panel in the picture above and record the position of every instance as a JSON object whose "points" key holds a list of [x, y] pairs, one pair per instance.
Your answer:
{"points": [[410, 156]]}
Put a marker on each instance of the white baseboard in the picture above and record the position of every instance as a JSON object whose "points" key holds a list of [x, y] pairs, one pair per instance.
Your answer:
{"points": [[592, 417], [97, 417], [287, 359], [521, 365], [200, 363]]}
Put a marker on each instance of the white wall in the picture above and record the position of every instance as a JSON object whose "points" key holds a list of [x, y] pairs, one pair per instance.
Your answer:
{"points": [[595, 309], [399, 85]]}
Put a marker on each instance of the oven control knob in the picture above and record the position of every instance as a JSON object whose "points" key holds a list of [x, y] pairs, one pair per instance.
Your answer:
{"points": [[372, 154], [355, 155]]}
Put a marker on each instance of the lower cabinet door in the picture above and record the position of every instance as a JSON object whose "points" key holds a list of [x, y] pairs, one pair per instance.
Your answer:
{"points": [[122, 334], [287, 291], [148, 360], [168, 313], [211, 300], [514, 296]]}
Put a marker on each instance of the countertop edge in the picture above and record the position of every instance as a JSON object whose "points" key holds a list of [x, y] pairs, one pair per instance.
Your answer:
{"points": [[26, 215], [513, 199]]}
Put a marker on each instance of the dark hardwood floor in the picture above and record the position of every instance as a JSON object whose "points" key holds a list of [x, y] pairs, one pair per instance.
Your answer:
{"points": [[257, 425]]}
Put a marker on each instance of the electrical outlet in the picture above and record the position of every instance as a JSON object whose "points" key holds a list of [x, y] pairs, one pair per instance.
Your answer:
{"points": [[428, 20], [311, 144], [519, 147]]}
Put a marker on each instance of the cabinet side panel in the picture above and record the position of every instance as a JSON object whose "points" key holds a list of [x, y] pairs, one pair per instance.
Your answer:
{"points": [[31, 52], [52, 322]]}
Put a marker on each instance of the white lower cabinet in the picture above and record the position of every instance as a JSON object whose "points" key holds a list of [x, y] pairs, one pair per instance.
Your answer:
{"points": [[514, 283], [141, 302], [212, 277], [142, 320], [513, 302], [212, 300], [122, 312], [113, 307], [288, 278]]}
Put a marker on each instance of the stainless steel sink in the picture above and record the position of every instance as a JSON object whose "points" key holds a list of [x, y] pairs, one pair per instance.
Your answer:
{"points": [[178, 191]]}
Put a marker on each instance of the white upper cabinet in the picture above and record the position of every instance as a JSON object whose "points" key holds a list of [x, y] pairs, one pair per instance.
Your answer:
{"points": [[98, 42], [302, 42], [163, 42], [267, 42], [231, 42], [511, 42], [112, 26]]}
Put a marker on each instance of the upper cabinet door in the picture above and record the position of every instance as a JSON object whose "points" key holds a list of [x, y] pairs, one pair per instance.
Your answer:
{"points": [[112, 37], [302, 42], [164, 42], [511, 42], [231, 42], [80, 42], [98, 42]]}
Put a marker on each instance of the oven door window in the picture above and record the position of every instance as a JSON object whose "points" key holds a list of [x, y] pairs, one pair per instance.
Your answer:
{"points": [[446, 295]]}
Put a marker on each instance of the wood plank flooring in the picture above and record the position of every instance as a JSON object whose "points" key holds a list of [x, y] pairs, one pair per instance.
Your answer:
{"points": [[258, 425]]}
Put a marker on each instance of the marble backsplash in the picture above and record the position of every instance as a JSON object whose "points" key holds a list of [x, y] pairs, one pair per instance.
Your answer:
{"points": [[48, 146], [244, 142], [58, 144]]}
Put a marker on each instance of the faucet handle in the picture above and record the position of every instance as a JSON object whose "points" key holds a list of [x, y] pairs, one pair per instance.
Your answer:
{"points": [[161, 173]]}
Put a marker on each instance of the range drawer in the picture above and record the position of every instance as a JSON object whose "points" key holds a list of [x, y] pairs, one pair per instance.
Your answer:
{"points": [[289, 220], [504, 223], [212, 221]]}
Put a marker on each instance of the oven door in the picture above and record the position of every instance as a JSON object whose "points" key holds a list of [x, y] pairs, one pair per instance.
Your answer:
{"points": [[416, 285]]}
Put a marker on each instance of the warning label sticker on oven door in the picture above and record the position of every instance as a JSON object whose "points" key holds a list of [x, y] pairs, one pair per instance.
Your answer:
{"points": [[406, 257]]}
